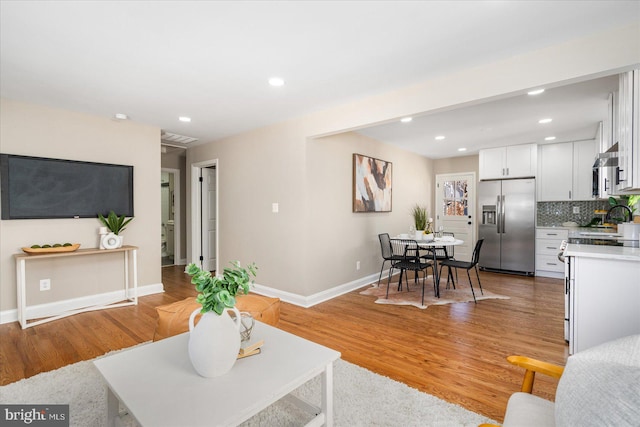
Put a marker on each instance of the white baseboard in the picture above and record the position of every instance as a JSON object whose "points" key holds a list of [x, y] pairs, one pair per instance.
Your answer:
{"points": [[49, 309], [317, 298]]}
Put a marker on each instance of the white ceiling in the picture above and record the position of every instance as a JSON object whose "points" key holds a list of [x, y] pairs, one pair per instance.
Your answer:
{"points": [[575, 111], [157, 60]]}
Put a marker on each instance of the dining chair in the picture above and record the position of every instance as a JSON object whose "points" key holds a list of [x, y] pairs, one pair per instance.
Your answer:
{"points": [[452, 263], [389, 253], [412, 261], [441, 253]]}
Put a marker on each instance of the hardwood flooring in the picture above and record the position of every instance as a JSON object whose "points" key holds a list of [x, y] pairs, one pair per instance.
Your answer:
{"points": [[456, 352]]}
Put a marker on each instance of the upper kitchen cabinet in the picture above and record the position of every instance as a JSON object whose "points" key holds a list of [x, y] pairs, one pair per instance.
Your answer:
{"points": [[516, 161], [627, 174], [566, 171]]}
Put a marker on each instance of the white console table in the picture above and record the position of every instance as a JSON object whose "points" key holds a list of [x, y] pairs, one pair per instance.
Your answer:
{"points": [[21, 267]]}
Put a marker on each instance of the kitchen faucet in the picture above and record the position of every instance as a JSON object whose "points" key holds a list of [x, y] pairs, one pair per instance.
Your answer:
{"points": [[608, 216]]}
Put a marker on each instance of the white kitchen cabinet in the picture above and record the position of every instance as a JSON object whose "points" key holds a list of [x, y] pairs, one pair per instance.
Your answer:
{"points": [[604, 300], [584, 155], [547, 248], [516, 161], [627, 175], [555, 177], [566, 170]]}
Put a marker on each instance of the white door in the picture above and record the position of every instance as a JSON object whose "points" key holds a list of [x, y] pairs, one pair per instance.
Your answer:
{"points": [[209, 213], [455, 210]]}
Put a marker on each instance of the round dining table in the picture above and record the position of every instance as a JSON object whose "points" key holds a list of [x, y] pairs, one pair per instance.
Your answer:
{"points": [[437, 242]]}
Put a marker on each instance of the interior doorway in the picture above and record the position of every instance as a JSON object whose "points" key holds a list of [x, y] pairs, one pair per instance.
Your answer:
{"points": [[170, 215], [204, 214]]}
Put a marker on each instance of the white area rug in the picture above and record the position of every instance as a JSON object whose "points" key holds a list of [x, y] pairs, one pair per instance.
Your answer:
{"points": [[361, 398]]}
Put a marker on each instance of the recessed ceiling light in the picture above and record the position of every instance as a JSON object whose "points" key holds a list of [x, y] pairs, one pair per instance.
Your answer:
{"points": [[535, 92], [276, 81], [545, 121], [462, 149], [439, 137], [406, 119], [184, 119], [120, 116], [550, 138]]}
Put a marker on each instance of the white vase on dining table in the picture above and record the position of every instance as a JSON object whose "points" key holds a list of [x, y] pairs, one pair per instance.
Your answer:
{"points": [[419, 234]]}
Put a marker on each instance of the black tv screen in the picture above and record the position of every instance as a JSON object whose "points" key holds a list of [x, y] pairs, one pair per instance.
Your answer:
{"points": [[39, 188]]}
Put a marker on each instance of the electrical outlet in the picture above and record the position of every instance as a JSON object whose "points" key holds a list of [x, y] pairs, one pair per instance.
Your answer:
{"points": [[357, 265], [576, 209], [45, 284]]}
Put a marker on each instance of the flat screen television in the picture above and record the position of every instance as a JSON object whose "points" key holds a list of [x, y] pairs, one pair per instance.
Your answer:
{"points": [[39, 188]]}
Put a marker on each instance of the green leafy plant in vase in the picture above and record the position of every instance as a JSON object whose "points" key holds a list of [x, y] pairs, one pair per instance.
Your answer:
{"points": [[214, 341], [114, 223], [419, 214], [218, 293]]}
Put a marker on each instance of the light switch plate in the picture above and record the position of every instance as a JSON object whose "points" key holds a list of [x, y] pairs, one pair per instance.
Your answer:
{"points": [[275, 208]]}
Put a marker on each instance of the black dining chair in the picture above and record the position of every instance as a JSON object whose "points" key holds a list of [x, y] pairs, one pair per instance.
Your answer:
{"points": [[388, 252], [441, 253], [452, 263], [412, 261]]}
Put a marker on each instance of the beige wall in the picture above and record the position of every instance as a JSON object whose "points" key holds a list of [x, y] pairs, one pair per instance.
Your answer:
{"points": [[337, 237], [313, 243], [34, 130]]}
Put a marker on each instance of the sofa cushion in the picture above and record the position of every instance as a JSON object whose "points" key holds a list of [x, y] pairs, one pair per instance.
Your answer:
{"points": [[527, 410], [173, 318], [601, 386]]}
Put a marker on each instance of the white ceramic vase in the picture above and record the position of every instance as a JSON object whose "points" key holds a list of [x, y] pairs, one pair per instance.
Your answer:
{"points": [[419, 234], [111, 241], [214, 342]]}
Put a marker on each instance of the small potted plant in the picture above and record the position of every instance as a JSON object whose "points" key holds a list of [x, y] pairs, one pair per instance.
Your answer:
{"points": [[419, 214], [215, 341], [115, 224]]}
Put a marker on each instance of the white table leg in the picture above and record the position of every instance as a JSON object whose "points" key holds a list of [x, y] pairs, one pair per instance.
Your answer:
{"points": [[327, 394], [21, 278], [134, 254], [113, 408]]}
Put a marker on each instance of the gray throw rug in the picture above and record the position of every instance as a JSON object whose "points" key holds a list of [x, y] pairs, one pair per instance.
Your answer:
{"points": [[361, 398]]}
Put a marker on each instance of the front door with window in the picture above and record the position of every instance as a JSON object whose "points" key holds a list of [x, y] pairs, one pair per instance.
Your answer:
{"points": [[455, 210]]}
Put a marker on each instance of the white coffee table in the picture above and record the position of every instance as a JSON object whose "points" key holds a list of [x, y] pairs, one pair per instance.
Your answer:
{"points": [[159, 387]]}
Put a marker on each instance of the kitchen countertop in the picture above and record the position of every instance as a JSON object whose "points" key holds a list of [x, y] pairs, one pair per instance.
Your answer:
{"points": [[622, 253]]}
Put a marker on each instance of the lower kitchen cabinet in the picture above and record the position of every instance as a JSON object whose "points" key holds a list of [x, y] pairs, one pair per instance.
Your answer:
{"points": [[547, 248], [604, 300]]}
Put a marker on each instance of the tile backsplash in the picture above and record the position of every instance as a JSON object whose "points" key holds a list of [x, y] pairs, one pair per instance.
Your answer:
{"points": [[555, 213]]}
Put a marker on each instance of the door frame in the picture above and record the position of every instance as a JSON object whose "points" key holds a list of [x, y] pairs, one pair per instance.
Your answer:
{"points": [[176, 213], [196, 212]]}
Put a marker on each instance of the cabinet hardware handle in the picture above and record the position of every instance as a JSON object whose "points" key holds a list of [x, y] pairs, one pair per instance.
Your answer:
{"points": [[551, 247], [552, 234], [551, 263]]}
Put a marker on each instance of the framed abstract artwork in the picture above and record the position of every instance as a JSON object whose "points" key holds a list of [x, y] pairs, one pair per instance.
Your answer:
{"points": [[372, 184]]}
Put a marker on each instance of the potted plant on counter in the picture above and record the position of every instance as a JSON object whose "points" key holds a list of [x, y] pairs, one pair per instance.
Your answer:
{"points": [[215, 341]]}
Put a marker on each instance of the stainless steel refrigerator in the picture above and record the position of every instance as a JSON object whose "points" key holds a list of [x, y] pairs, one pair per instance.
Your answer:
{"points": [[507, 210]]}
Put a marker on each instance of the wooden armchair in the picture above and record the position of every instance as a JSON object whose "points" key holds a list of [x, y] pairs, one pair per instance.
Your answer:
{"points": [[599, 386]]}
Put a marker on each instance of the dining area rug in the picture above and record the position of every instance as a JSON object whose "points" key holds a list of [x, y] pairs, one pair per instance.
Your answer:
{"points": [[413, 296]]}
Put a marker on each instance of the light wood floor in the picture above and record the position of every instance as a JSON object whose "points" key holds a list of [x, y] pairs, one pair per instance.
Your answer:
{"points": [[456, 352]]}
